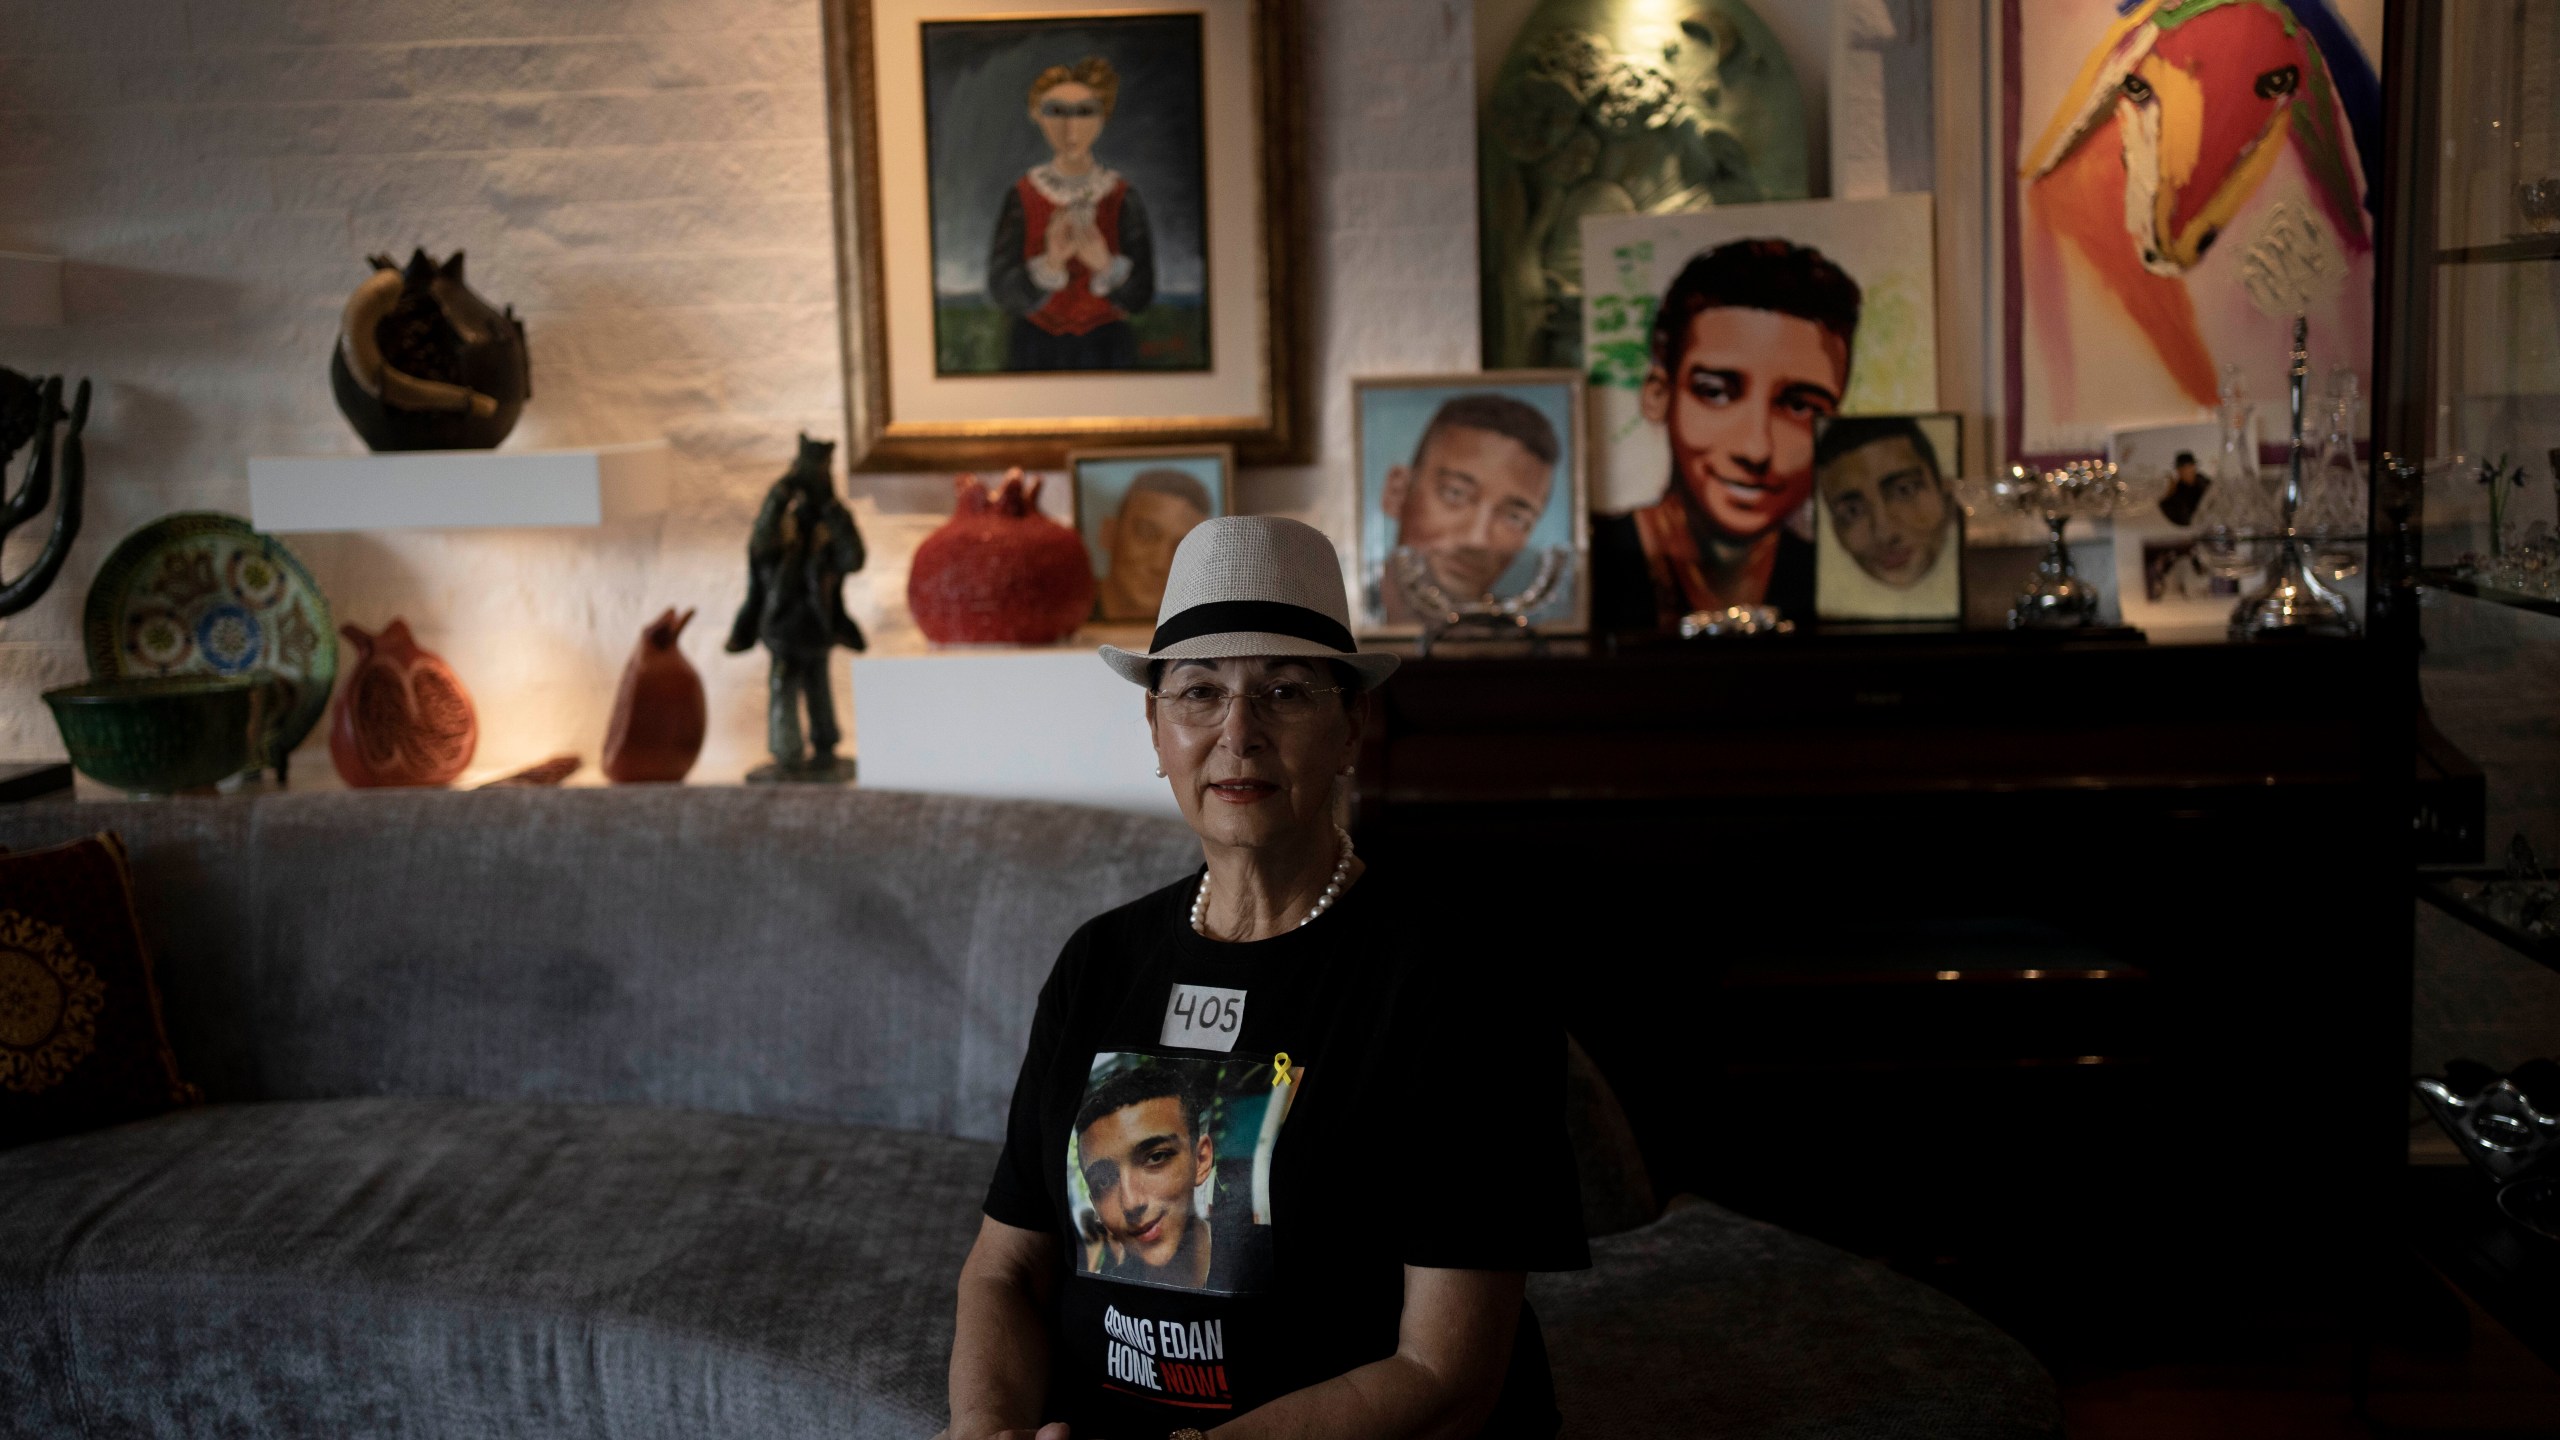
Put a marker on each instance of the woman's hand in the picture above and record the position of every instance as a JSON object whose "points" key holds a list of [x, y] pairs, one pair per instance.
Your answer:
{"points": [[1453, 1348], [1000, 1345]]}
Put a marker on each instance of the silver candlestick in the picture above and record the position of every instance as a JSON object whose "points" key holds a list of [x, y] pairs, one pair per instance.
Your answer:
{"points": [[2293, 602]]}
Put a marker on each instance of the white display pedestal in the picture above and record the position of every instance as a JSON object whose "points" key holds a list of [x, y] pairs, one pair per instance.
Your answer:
{"points": [[1015, 724], [30, 289], [458, 489]]}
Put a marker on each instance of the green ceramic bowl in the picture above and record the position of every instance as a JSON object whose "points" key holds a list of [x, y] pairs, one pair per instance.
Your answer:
{"points": [[155, 736]]}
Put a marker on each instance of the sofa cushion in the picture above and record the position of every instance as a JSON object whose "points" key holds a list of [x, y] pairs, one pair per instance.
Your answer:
{"points": [[1706, 1325], [80, 1038], [419, 1267]]}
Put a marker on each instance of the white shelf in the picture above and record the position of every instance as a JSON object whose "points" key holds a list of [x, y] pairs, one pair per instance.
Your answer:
{"points": [[30, 289], [458, 489], [1049, 724]]}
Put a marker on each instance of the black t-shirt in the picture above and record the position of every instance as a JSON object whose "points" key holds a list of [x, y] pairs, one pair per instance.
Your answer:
{"points": [[1234, 1222]]}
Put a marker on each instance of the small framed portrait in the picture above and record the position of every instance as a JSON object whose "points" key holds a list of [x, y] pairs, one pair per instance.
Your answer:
{"points": [[1133, 506], [1063, 225], [1471, 490], [1888, 530], [2166, 584]]}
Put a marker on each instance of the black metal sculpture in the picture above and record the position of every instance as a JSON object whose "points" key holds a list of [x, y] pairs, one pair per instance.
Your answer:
{"points": [[30, 410], [803, 546], [424, 363]]}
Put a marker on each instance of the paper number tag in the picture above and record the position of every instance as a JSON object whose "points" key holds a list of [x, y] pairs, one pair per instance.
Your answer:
{"points": [[1202, 1017]]}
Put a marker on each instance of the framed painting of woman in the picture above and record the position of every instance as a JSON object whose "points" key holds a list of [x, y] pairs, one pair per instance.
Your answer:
{"points": [[1064, 227]]}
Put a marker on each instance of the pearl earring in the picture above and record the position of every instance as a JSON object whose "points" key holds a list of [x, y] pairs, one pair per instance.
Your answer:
{"points": [[1159, 772]]}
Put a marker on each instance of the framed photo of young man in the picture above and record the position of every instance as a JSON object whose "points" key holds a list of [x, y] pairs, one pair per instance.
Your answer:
{"points": [[1470, 493], [1062, 226], [1888, 530], [1133, 506]]}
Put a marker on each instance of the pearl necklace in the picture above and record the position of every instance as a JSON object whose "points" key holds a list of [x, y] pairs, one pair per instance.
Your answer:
{"points": [[1324, 902]]}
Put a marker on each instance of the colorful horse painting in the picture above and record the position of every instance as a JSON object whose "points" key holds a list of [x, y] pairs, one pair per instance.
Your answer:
{"points": [[2200, 179]]}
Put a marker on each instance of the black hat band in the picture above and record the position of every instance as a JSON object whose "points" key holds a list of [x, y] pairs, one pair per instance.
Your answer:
{"points": [[1273, 617]]}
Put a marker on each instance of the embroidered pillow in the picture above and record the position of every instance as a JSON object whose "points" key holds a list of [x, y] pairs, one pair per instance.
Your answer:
{"points": [[81, 1043]]}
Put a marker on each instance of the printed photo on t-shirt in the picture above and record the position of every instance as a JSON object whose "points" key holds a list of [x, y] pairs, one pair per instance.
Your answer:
{"points": [[1169, 1169]]}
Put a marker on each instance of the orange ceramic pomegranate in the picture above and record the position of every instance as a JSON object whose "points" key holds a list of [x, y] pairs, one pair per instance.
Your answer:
{"points": [[658, 715], [402, 717], [999, 572]]}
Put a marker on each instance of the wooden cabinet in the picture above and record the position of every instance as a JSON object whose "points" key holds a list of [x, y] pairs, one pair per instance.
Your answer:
{"points": [[2072, 964]]}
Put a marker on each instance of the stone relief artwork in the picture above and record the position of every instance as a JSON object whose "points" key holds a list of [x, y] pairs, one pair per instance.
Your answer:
{"points": [[2189, 175], [1605, 107]]}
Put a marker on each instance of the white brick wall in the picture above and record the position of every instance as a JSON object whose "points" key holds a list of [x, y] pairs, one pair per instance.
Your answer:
{"points": [[646, 181]]}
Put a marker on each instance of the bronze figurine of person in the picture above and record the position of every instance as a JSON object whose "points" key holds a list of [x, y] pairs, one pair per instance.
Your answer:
{"points": [[803, 546]]}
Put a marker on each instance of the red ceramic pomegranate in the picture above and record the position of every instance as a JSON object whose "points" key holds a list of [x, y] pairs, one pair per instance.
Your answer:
{"points": [[658, 715], [402, 717], [999, 572]]}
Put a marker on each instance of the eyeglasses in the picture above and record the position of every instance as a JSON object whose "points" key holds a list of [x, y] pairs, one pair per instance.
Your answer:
{"points": [[1069, 109], [1202, 706]]}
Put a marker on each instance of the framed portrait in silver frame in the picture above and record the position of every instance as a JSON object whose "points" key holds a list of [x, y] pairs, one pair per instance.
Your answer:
{"points": [[1063, 227], [1470, 490], [1888, 528], [1133, 506]]}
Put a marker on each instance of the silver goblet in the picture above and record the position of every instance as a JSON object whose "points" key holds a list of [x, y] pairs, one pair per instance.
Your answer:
{"points": [[2057, 596]]}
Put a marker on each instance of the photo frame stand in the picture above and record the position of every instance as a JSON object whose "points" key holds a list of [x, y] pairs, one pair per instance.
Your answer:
{"points": [[1504, 621]]}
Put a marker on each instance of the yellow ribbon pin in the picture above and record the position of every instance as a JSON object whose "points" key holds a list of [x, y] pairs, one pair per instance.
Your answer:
{"points": [[1280, 1068]]}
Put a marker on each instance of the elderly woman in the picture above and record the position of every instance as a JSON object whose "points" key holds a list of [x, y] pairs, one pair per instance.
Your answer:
{"points": [[1072, 258], [1287, 1139]]}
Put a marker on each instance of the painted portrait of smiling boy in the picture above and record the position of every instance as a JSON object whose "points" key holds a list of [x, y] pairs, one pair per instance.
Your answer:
{"points": [[1718, 342], [1750, 352]]}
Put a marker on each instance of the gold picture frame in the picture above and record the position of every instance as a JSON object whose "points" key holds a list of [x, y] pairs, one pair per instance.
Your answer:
{"points": [[904, 411]]}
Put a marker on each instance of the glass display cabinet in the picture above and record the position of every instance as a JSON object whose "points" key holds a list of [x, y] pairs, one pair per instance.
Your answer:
{"points": [[2467, 485]]}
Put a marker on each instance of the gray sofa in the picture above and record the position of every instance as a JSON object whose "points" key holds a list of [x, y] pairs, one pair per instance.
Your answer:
{"points": [[666, 1112]]}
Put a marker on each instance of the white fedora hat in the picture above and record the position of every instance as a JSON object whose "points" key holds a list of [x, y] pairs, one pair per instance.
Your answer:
{"points": [[1253, 585]]}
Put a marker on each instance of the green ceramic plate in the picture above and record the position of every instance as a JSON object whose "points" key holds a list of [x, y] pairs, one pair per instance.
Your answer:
{"points": [[200, 593]]}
